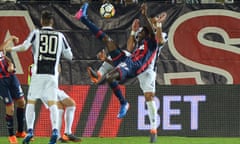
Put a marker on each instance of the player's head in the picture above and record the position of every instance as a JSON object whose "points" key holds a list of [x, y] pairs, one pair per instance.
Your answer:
{"points": [[142, 33], [46, 18]]}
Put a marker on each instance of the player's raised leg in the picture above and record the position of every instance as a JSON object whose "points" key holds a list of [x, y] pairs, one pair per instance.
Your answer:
{"points": [[82, 15]]}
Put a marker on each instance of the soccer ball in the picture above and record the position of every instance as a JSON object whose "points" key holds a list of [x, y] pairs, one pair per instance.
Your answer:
{"points": [[107, 10]]}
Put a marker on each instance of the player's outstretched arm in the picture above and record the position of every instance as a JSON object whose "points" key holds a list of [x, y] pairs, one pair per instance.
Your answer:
{"points": [[157, 24], [6, 43], [146, 20], [131, 39]]}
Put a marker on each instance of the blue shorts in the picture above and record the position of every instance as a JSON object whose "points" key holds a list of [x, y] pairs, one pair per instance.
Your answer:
{"points": [[10, 89], [125, 65]]}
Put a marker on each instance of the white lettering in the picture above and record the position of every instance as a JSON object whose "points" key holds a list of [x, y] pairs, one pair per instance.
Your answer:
{"points": [[168, 112]]}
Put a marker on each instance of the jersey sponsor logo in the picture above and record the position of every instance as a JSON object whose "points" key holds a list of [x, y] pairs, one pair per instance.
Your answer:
{"points": [[207, 41], [17, 23]]}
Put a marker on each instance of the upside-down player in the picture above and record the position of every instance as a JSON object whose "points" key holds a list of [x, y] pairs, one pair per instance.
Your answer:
{"points": [[125, 67], [146, 79]]}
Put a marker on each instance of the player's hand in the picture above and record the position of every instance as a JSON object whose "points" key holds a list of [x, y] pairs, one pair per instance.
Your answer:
{"points": [[15, 39], [11, 67], [135, 25], [161, 17], [102, 55]]}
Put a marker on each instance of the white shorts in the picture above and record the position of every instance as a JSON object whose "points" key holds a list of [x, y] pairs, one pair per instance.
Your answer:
{"points": [[43, 87], [147, 80], [61, 95]]}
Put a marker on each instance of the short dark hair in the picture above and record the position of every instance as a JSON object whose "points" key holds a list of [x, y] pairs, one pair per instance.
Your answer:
{"points": [[47, 15]]}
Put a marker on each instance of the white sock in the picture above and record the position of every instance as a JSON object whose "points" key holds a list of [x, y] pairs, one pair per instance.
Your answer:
{"points": [[60, 114], [30, 115], [69, 116], [54, 116], [105, 68], [152, 114]]}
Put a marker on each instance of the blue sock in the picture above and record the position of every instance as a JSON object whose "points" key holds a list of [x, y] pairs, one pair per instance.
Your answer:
{"points": [[20, 119], [9, 120], [93, 28], [118, 93]]}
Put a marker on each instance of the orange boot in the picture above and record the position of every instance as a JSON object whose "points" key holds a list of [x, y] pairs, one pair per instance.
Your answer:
{"points": [[12, 139]]}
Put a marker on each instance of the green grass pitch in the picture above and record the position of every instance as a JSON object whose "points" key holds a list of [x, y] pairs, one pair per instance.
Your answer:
{"points": [[142, 140]]}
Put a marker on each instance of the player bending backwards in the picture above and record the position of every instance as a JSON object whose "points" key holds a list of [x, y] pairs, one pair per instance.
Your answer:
{"points": [[126, 67], [147, 78]]}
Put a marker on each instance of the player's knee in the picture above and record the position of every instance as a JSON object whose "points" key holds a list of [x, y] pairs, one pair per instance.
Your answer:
{"points": [[113, 75], [73, 102], [10, 109], [20, 103], [60, 105], [149, 96], [110, 78], [70, 102]]}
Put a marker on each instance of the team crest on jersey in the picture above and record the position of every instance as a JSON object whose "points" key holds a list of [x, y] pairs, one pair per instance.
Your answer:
{"points": [[141, 47], [123, 65]]}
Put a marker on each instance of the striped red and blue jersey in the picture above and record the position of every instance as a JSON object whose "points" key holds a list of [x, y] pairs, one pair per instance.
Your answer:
{"points": [[145, 54], [3, 66]]}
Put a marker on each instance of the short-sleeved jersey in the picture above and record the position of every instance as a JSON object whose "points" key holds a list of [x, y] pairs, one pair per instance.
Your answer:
{"points": [[47, 47]]}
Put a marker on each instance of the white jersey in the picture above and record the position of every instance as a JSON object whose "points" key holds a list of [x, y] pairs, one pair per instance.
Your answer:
{"points": [[148, 77], [47, 47]]}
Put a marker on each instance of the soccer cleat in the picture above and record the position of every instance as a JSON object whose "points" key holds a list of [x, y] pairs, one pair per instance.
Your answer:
{"points": [[53, 139], [82, 12], [123, 110], [71, 137], [95, 77], [65, 137], [12, 139], [153, 135], [28, 137], [20, 134], [61, 140]]}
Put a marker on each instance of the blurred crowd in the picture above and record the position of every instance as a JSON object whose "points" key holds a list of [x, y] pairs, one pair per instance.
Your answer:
{"points": [[123, 2]]}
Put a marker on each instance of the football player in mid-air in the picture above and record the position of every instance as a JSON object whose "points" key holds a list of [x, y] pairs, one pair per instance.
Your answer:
{"points": [[134, 65], [147, 78]]}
